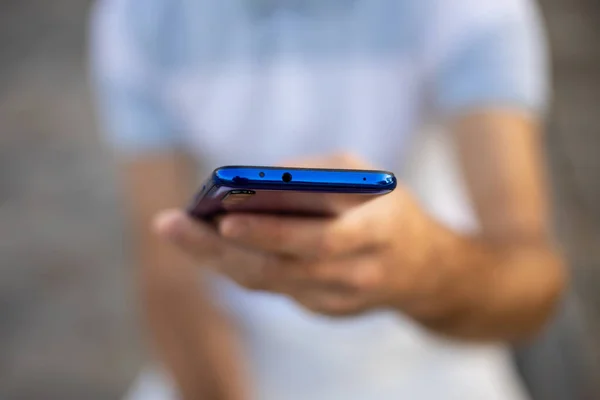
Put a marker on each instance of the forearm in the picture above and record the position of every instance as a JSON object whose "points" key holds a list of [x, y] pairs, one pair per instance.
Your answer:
{"points": [[507, 289], [510, 275]]}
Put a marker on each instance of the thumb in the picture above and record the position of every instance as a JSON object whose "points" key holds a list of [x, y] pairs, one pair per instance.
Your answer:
{"points": [[194, 238], [170, 224]]}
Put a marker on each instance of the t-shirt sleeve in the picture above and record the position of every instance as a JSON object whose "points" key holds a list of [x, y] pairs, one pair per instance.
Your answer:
{"points": [[495, 56], [126, 73]]}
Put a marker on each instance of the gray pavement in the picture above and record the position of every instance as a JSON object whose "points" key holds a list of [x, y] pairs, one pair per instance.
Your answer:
{"points": [[67, 324]]}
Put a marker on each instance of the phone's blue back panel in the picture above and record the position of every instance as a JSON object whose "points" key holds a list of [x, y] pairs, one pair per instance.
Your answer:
{"points": [[295, 191]]}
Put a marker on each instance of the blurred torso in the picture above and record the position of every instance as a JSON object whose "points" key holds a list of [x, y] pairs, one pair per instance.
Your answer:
{"points": [[260, 83]]}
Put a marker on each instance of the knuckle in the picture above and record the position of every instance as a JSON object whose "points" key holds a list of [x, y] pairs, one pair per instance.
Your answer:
{"points": [[366, 278]]}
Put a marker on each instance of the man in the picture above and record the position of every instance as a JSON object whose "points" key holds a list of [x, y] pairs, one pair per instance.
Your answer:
{"points": [[385, 301]]}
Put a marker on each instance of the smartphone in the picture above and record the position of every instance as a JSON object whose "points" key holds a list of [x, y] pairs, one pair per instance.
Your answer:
{"points": [[288, 191]]}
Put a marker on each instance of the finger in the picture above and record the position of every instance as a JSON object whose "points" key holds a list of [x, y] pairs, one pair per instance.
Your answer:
{"points": [[357, 275], [194, 238], [321, 238], [247, 268]]}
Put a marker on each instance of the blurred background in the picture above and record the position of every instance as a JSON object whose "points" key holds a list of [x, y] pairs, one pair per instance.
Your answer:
{"points": [[68, 327]]}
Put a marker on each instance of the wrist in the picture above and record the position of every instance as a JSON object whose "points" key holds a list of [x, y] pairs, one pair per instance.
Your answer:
{"points": [[490, 290], [460, 280], [438, 288]]}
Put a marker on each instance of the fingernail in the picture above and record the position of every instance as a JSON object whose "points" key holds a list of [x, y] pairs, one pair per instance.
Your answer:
{"points": [[233, 227]]}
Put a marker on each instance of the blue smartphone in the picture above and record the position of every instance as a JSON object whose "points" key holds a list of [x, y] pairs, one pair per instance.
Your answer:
{"points": [[289, 191]]}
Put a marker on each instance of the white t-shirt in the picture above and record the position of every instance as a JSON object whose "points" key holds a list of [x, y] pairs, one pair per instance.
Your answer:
{"points": [[261, 81]]}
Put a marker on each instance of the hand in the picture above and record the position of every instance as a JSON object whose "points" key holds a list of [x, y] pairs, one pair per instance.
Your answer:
{"points": [[375, 255]]}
